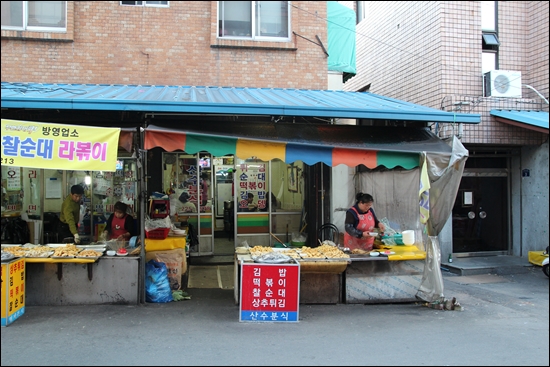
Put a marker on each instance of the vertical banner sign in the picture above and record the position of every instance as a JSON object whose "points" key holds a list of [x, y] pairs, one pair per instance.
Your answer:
{"points": [[269, 292], [13, 290], [55, 146], [252, 179]]}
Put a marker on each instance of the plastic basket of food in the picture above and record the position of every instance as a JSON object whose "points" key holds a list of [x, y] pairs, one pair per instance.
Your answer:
{"points": [[159, 233]]}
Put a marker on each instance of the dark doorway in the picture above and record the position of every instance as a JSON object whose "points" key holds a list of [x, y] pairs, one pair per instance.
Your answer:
{"points": [[480, 213]]}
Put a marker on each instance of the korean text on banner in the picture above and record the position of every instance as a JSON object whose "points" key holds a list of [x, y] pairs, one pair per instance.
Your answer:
{"points": [[56, 146]]}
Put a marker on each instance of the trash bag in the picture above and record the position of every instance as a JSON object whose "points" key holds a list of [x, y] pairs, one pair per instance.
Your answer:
{"points": [[157, 285]]}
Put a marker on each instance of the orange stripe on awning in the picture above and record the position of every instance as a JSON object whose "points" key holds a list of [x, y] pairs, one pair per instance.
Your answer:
{"points": [[169, 141], [353, 157]]}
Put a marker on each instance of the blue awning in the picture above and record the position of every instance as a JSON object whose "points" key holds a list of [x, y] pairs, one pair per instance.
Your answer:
{"points": [[532, 120], [223, 100]]}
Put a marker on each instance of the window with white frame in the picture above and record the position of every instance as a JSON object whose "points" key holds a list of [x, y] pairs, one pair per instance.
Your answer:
{"points": [[258, 20], [145, 3], [40, 16]]}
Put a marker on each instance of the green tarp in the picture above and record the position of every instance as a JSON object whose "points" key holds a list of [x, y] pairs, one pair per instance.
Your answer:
{"points": [[341, 38]]}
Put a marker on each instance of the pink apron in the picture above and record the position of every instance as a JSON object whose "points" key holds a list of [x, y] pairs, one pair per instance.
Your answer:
{"points": [[366, 223]]}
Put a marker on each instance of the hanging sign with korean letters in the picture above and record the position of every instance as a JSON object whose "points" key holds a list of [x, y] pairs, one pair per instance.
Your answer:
{"points": [[55, 146]]}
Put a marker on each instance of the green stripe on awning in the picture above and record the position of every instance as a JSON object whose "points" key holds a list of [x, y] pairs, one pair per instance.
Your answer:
{"points": [[218, 146], [394, 159]]}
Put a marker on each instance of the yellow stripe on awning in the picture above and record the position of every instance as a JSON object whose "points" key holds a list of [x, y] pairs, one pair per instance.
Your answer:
{"points": [[264, 151]]}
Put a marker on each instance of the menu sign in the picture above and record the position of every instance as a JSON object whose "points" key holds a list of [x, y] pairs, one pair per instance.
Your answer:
{"points": [[269, 292], [13, 290]]}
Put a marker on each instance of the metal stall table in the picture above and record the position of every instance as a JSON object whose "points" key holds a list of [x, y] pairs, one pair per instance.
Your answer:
{"points": [[386, 278], [106, 280]]}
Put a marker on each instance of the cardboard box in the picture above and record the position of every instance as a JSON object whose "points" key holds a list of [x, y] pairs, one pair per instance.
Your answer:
{"points": [[176, 264]]}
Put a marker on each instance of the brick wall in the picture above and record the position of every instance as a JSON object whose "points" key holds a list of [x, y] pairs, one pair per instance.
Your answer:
{"points": [[114, 44]]}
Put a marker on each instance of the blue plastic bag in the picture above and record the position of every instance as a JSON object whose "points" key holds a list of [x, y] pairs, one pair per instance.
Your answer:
{"points": [[157, 285]]}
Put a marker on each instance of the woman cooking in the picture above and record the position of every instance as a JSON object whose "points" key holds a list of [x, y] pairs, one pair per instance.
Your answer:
{"points": [[360, 220], [120, 225]]}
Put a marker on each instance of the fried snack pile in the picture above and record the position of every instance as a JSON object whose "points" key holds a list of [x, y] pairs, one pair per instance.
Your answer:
{"points": [[324, 251], [69, 250], [332, 252], [260, 250], [291, 252], [89, 253], [309, 252], [39, 251], [16, 250]]}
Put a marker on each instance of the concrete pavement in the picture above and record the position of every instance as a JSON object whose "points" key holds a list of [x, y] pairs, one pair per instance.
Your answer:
{"points": [[504, 322]]}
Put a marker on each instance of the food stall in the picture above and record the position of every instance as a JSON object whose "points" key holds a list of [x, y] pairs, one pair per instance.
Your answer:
{"points": [[398, 177], [321, 269], [42, 161], [331, 274]]}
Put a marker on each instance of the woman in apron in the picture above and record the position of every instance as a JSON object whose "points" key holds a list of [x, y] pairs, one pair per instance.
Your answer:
{"points": [[360, 220]]}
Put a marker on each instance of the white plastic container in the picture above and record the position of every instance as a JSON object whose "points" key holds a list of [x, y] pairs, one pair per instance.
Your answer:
{"points": [[408, 237]]}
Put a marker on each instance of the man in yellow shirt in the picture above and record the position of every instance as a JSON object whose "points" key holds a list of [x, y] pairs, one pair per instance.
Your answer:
{"points": [[70, 214]]}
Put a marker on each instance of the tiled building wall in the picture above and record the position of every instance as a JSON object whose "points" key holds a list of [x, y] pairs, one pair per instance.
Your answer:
{"points": [[115, 44], [395, 56], [429, 52], [537, 41], [522, 49]]}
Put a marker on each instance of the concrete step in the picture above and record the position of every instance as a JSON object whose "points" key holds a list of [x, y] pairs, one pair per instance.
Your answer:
{"points": [[500, 264]]}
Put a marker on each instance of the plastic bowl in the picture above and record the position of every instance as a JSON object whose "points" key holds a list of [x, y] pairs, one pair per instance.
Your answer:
{"points": [[297, 243], [111, 253]]}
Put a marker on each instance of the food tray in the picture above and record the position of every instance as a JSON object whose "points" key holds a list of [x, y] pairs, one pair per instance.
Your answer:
{"points": [[6, 256], [313, 258], [326, 266], [272, 258], [98, 249], [92, 247], [42, 256], [56, 245], [62, 257], [277, 261]]}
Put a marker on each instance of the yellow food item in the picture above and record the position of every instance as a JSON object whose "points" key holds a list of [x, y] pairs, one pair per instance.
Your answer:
{"points": [[89, 253]]}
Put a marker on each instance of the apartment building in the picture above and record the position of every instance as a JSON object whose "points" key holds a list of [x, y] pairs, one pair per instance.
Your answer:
{"points": [[483, 57]]}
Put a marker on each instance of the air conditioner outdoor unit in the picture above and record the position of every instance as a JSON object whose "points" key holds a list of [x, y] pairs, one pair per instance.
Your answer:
{"points": [[503, 83]]}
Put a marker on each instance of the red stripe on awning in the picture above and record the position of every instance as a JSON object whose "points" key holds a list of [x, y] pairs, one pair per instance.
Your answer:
{"points": [[353, 157], [168, 141]]}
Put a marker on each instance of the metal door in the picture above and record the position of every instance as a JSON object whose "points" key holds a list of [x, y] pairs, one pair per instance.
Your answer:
{"points": [[480, 213]]}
